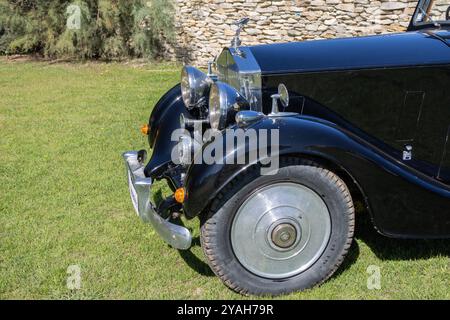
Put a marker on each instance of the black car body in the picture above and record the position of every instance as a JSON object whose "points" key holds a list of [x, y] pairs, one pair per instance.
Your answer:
{"points": [[373, 110]]}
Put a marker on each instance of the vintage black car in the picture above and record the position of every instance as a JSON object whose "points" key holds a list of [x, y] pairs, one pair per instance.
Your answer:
{"points": [[356, 119]]}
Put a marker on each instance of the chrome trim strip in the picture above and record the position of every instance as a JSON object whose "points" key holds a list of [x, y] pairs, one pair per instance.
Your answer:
{"points": [[140, 189]]}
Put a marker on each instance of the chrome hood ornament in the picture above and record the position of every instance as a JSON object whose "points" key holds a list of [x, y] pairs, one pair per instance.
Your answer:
{"points": [[236, 42]]}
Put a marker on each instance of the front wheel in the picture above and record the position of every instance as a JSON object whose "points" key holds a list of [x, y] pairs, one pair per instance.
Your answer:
{"points": [[271, 235]]}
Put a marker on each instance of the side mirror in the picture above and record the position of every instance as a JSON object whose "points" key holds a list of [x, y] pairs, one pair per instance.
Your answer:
{"points": [[282, 95]]}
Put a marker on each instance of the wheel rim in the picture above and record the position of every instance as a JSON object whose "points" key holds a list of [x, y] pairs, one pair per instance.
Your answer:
{"points": [[281, 230]]}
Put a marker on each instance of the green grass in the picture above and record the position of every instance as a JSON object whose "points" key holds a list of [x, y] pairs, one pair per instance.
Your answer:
{"points": [[64, 199]]}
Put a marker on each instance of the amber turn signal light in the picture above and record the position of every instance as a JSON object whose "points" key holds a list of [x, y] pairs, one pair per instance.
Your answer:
{"points": [[180, 194], [145, 129]]}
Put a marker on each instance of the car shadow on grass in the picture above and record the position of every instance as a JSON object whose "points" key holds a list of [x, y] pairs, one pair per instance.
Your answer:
{"points": [[399, 249], [383, 247], [195, 262], [191, 259]]}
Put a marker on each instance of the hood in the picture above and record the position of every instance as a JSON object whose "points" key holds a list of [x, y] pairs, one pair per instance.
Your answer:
{"points": [[391, 50]]}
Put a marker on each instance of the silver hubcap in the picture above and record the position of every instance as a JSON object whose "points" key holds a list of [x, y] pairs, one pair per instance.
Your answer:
{"points": [[281, 230], [284, 235]]}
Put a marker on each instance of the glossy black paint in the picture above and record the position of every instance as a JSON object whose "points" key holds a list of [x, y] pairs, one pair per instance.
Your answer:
{"points": [[164, 119], [171, 99], [388, 107], [381, 51], [403, 202]]}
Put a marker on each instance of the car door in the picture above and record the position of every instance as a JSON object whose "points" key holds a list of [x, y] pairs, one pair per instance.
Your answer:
{"points": [[430, 131], [444, 169]]}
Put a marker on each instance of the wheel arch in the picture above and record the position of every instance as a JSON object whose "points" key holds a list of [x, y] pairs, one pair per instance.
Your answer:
{"points": [[322, 142], [355, 188]]}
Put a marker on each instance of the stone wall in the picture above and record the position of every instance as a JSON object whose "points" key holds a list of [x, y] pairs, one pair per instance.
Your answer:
{"points": [[204, 26]]}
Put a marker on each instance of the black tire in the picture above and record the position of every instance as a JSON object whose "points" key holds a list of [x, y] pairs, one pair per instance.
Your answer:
{"points": [[216, 228]]}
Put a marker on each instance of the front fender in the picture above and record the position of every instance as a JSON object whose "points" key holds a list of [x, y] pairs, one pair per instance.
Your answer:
{"points": [[403, 202], [164, 119], [296, 136]]}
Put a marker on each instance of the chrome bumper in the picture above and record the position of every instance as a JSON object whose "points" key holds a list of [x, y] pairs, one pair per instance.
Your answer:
{"points": [[140, 189]]}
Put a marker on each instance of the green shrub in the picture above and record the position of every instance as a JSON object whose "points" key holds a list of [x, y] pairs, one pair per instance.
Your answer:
{"points": [[153, 25], [107, 29]]}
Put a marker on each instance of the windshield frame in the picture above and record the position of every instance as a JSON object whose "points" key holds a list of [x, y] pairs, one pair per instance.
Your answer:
{"points": [[425, 5]]}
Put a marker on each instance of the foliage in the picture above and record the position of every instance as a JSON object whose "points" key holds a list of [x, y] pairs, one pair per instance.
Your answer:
{"points": [[149, 23], [107, 29]]}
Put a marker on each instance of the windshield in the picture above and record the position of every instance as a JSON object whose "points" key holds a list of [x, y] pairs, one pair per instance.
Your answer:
{"points": [[432, 12]]}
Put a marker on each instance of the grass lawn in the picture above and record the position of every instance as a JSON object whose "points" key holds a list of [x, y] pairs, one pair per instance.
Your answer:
{"points": [[64, 199]]}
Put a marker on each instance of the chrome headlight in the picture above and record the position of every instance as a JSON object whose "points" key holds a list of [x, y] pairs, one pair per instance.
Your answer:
{"points": [[224, 102], [194, 85]]}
